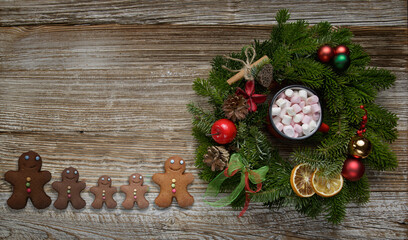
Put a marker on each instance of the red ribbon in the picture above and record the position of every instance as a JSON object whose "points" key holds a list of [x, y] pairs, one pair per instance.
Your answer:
{"points": [[247, 188], [247, 196]]}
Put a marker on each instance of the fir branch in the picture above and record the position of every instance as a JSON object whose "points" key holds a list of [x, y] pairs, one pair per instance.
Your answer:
{"points": [[204, 88], [381, 79], [311, 206], [358, 190], [202, 120], [381, 156], [307, 155], [336, 210], [282, 16]]}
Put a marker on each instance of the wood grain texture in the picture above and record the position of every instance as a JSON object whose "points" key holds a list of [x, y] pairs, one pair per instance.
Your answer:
{"points": [[203, 12], [111, 99]]}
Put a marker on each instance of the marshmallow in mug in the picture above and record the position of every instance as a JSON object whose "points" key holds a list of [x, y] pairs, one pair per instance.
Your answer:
{"points": [[296, 112]]}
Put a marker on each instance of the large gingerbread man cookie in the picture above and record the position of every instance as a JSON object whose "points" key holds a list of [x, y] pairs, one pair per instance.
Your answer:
{"points": [[104, 193], [28, 182], [135, 192], [173, 183], [69, 190]]}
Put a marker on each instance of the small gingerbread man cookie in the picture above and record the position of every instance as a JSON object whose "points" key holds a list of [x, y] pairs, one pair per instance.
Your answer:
{"points": [[104, 193], [173, 183], [28, 182], [135, 192], [69, 190]]}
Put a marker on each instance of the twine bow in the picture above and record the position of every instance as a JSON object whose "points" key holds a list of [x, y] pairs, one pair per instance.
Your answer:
{"points": [[247, 64], [236, 164]]}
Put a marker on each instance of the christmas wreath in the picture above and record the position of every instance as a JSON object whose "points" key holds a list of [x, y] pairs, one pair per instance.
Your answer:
{"points": [[321, 71]]}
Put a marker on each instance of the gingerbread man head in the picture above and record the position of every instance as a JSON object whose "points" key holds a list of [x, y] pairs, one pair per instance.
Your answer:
{"points": [[136, 179], [30, 161], [174, 164], [70, 174], [105, 181]]}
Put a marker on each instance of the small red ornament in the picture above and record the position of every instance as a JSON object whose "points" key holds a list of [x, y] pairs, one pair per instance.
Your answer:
{"points": [[353, 169], [341, 49], [223, 131], [325, 53], [249, 94]]}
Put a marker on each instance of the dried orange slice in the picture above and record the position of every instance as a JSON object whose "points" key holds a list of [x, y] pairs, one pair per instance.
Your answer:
{"points": [[326, 187], [300, 180]]}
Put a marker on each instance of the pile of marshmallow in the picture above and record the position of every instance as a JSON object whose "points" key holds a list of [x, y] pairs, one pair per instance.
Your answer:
{"points": [[296, 112]]}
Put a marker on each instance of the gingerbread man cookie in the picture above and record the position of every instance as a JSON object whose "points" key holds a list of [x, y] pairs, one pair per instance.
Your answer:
{"points": [[69, 190], [28, 182], [173, 183], [135, 192], [104, 193]]}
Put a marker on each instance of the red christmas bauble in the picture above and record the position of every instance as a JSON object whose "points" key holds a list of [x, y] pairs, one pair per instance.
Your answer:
{"points": [[341, 49], [353, 169], [325, 53], [223, 131]]}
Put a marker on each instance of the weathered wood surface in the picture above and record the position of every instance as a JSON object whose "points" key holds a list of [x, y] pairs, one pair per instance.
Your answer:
{"points": [[203, 12], [110, 99]]}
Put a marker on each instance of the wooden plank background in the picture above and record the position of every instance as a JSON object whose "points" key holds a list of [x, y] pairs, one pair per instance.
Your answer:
{"points": [[102, 86]]}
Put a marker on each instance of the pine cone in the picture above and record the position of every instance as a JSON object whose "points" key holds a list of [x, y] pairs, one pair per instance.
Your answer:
{"points": [[235, 107], [216, 157], [265, 76]]}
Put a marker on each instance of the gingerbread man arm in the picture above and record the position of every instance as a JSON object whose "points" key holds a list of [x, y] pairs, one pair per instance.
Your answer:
{"points": [[56, 186], [112, 190], [11, 177], [82, 185], [94, 190], [158, 178], [189, 178], [124, 188], [145, 188], [46, 176]]}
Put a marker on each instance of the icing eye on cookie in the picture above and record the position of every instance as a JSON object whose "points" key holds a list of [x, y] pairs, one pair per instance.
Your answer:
{"points": [[37, 158], [181, 162], [140, 177], [134, 177], [103, 179], [67, 171], [76, 172], [172, 161], [108, 179], [27, 157]]}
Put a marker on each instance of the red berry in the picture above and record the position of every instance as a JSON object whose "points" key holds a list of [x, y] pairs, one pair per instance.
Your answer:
{"points": [[363, 126], [364, 130], [223, 131], [362, 106], [365, 118]]}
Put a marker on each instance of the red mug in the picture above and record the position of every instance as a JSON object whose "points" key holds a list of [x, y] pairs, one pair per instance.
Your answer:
{"points": [[321, 127]]}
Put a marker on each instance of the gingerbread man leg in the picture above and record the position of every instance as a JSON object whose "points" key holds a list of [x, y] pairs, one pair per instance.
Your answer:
{"points": [[18, 200], [128, 203], [110, 203], [41, 200], [163, 200], [78, 203], [184, 199], [97, 203], [142, 202], [61, 202]]}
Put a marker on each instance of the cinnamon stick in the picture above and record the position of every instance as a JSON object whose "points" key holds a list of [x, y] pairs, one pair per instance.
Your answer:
{"points": [[241, 73]]}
